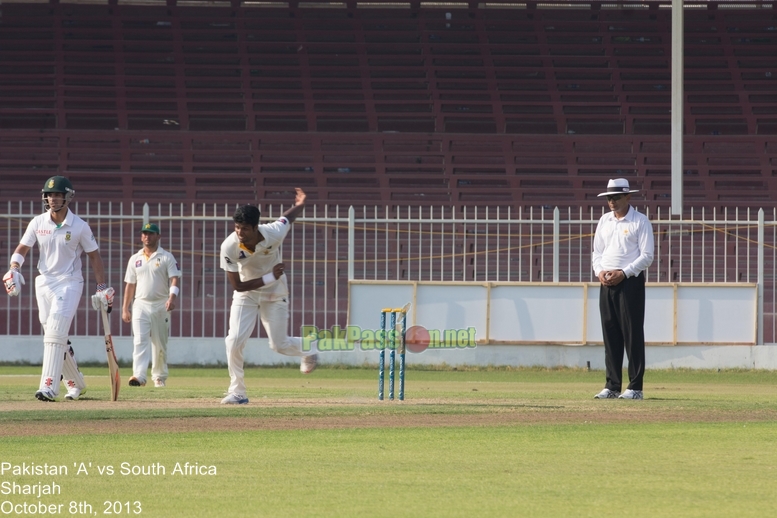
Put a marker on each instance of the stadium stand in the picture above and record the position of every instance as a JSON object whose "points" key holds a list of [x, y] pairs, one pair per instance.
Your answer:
{"points": [[459, 104]]}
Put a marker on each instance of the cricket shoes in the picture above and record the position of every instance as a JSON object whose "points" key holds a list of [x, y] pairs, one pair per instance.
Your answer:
{"points": [[234, 399], [46, 395], [631, 394], [74, 393], [607, 394], [308, 364], [135, 382], [159, 383]]}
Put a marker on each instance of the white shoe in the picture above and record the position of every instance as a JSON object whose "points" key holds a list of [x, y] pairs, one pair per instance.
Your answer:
{"points": [[308, 364], [159, 383], [46, 395], [631, 394], [607, 394], [74, 393], [234, 399]]}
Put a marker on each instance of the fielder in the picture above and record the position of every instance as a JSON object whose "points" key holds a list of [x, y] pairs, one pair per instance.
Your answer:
{"points": [[152, 288], [252, 260], [62, 237]]}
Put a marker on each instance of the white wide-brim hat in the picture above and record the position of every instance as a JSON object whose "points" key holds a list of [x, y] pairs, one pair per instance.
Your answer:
{"points": [[617, 186]]}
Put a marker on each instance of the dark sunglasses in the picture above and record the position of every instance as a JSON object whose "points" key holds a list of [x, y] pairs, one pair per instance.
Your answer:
{"points": [[615, 197]]}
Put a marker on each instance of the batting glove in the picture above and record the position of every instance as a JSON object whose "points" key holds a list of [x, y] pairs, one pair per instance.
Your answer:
{"points": [[103, 298], [13, 281]]}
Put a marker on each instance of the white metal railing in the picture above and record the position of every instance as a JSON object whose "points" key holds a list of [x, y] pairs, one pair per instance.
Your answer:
{"points": [[330, 245]]}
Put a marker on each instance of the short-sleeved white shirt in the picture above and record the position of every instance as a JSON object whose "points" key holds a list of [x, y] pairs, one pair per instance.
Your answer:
{"points": [[151, 275], [60, 246], [235, 258], [623, 244]]}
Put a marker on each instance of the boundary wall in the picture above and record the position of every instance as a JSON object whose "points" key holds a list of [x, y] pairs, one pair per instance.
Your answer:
{"points": [[545, 252], [211, 352]]}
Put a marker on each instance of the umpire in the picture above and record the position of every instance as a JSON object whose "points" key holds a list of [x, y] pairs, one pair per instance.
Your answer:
{"points": [[623, 249]]}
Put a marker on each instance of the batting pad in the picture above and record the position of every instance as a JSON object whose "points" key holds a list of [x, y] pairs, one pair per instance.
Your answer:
{"points": [[56, 329], [70, 369], [53, 358]]}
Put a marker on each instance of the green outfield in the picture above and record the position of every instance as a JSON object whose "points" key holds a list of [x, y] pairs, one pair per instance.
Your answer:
{"points": [[498, 442]]}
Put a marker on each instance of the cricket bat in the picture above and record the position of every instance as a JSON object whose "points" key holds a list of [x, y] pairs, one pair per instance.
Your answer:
{"points": [[113, 365]]}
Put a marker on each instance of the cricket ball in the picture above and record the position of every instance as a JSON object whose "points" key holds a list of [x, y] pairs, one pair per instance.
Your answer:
{"points": [[417, 339]]}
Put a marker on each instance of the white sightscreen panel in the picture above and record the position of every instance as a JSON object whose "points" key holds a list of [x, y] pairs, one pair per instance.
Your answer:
{"points": [[659, 315], [452, 307], [593, 320], [537, 313], [554, 314], [712, 314], [367, 300]]}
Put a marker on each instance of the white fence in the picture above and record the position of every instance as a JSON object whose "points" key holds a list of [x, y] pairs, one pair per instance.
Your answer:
{"points": [[330, 245]]}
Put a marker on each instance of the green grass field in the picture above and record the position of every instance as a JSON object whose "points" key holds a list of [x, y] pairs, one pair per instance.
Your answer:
{"points": [[525, 442]]}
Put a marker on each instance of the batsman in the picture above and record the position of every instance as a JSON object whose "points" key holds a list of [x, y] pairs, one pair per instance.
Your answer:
{"points": [[62, 237]]}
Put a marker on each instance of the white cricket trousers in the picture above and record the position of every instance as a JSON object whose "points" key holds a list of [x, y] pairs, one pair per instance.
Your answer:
{"points": [[57, 304], [274, 315], [150, 329]]}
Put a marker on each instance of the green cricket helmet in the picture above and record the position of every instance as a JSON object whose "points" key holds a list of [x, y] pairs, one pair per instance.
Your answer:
{"points": [[57, 184]]}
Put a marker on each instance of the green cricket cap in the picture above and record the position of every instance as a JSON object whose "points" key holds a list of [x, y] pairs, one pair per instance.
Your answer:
{"points": [[150, 227]]}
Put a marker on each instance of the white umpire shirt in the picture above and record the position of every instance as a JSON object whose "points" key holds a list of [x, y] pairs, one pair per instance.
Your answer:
{"points": [[252, 265], [623, 244], [60, 246], [151, 275]]}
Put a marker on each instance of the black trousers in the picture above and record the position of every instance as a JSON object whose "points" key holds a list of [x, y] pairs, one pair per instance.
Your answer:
{"points": [[622, 309]]}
